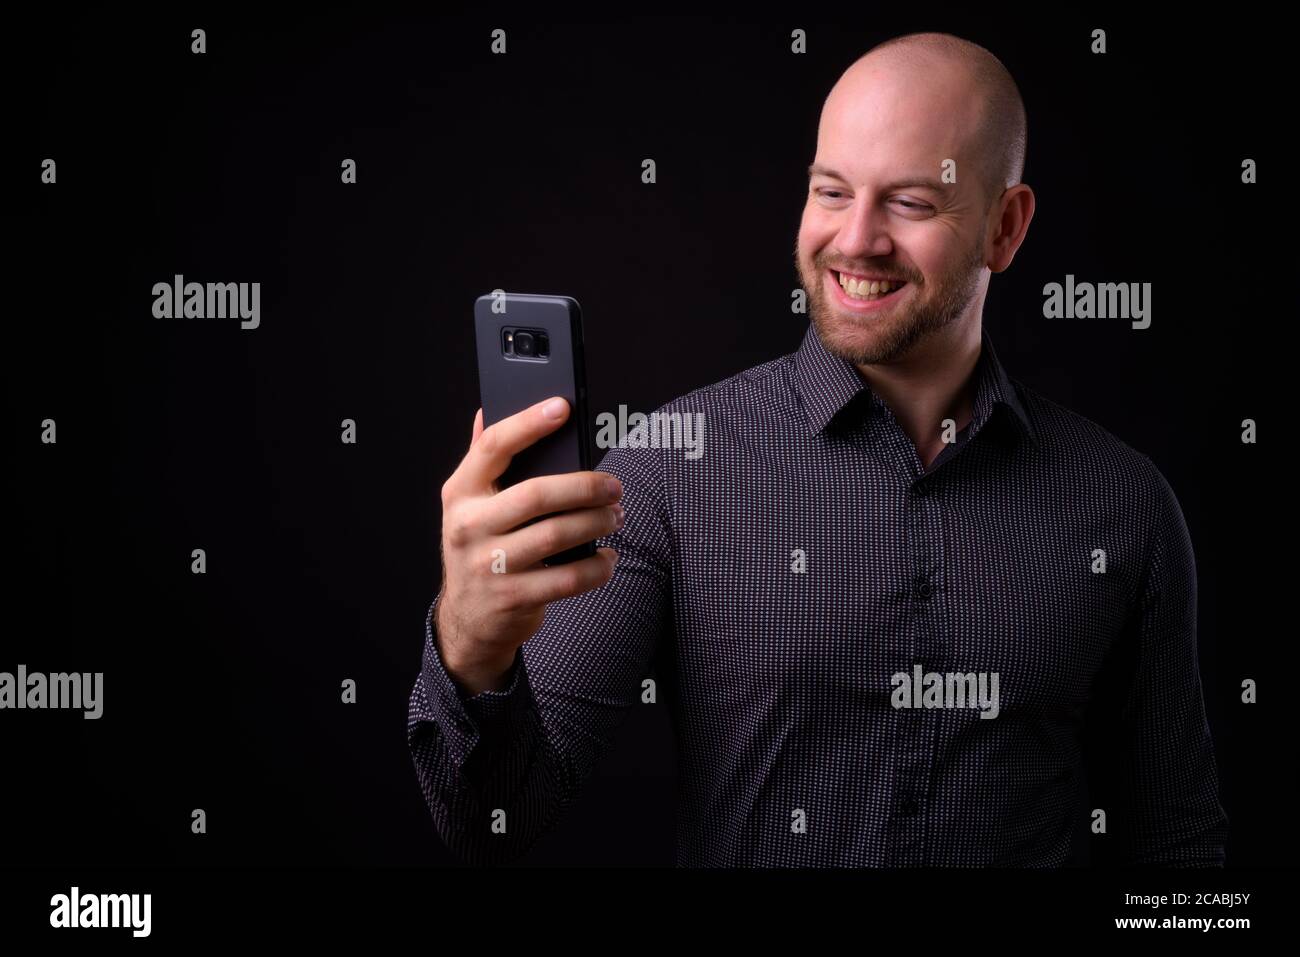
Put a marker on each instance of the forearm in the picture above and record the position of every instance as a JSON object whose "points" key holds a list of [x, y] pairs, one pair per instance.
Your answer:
{"points": [[500, 753]]}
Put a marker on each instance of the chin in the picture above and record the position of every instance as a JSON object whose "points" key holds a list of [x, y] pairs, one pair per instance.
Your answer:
{"points": [[863, 340]]}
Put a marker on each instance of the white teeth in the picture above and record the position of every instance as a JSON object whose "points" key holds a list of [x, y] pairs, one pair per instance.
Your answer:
{"points": [[866, 289]]}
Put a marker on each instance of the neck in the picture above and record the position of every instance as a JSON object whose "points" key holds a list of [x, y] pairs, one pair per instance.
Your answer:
{"points": [[932, 383]]}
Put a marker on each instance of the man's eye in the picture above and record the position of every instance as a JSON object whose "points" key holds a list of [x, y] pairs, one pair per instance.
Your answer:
{"points": [[836, 194]]}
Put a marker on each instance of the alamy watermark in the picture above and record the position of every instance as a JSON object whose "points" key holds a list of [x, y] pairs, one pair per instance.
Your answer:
{"points": [[658, 430], [1103, 300], [76, 909], [931, 689], [179, 299], [78, 691]]}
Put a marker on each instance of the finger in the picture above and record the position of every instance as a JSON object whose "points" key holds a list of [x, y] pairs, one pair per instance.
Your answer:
{"points": [[489, 456], [478, 427], [545, 494], [541, 586], [541, 540]]}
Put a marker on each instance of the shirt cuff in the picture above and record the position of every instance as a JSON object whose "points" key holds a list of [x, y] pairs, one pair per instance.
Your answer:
{"points": [[462, 718]]}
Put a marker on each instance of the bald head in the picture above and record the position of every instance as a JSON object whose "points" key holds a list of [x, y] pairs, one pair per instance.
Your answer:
{"points": [[964, 79], [894, 252]]}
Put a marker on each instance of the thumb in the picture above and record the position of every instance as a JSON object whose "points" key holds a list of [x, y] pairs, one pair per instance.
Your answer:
{"points": [[478, 427]]}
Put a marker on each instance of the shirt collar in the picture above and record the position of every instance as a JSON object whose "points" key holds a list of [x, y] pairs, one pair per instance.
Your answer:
{"points": [[827, 384]]}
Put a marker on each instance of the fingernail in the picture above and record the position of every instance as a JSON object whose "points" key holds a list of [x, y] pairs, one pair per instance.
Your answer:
{"points": [[618, 516], [615, 487], [555, 408]]}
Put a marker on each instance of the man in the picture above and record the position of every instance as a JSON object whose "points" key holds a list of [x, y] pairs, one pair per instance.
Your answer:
{"points": [[902, 610]]}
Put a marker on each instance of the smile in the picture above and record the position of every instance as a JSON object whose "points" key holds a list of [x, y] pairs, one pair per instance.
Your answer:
{"points": [[863, 293]]}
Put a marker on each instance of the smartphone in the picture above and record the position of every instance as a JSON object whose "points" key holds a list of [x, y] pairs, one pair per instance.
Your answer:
{"points": [[529, 349]]}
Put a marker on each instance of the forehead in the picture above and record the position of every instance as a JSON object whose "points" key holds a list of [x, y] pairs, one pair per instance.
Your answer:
{"points": [[880, 123]]}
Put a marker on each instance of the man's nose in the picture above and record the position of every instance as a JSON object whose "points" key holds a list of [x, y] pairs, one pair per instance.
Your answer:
{"points": [[864, 233]]}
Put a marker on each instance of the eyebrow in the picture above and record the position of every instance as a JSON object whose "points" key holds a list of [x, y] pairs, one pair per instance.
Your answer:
{"points": [[908, 181]]}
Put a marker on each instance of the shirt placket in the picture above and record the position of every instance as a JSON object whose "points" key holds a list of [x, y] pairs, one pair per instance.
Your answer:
{"points": [[916, 727]]}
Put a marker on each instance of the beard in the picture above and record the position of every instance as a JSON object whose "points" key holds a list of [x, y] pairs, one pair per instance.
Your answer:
{"points": [[890, 335]]}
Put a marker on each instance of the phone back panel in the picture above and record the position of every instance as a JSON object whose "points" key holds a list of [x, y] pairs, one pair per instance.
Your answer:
{"points": [[510, 384]]}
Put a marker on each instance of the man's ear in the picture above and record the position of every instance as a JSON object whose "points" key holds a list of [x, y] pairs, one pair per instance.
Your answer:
{"points": [[1010, 222]]}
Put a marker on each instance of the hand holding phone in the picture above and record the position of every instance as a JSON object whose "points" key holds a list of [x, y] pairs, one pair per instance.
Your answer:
{"points": [[530, 348], [496, 535]]}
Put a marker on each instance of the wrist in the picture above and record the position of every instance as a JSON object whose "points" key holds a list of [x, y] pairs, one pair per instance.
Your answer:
{"points": [[475, 676], [473, 672]]}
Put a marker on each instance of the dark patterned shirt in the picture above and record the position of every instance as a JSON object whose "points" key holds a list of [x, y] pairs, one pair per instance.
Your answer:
{"points": [[866, 662]]}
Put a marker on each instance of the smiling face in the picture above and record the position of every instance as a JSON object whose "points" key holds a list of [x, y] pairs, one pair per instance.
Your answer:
{"points": [[877, 207]]}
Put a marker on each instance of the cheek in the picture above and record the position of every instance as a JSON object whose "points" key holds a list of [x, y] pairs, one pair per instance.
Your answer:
{"points": [[939, 253], [926, 259], [805, 228], [805, 250], [813, 235]]}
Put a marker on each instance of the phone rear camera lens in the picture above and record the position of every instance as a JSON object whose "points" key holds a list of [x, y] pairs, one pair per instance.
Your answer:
{"points": [[524, 344]]}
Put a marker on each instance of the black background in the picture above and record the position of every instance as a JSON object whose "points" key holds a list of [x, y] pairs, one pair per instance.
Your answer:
{"points": [[222, 691]]}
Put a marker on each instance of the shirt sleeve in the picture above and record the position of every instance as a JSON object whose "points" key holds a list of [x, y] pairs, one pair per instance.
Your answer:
{"points": [[497, 768], [1152, 764]]}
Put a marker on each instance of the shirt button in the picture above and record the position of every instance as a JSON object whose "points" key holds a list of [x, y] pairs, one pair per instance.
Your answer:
{"points": [[923, 589], [908, 806], [922, 489]]}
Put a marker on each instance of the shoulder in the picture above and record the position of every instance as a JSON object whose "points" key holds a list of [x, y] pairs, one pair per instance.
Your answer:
{"points": [[1101, 469], [1092, 451], [764, 384], [754, 401]]}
